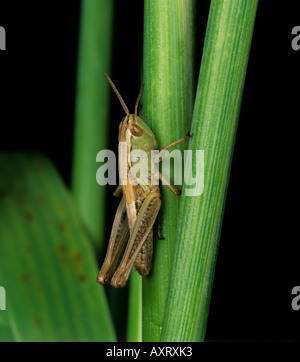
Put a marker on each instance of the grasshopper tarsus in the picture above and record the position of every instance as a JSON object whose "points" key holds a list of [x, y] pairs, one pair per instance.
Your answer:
{"points": [[105, 274], [101, 279], [119, 280]]}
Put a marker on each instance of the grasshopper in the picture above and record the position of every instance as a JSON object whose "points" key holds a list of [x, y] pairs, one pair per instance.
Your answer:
{"points": [[139, 205]]}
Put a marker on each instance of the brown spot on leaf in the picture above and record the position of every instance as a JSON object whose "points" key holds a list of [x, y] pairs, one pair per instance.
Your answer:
{"points": [[77, 258], [81, 278], [62, 227], [29, 216], [37, 322], [62, 248], [24, 278]]}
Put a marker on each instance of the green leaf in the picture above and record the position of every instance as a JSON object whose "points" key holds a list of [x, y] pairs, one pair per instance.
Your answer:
{"points": [[167, 108], [215, 119], [47, 265]]}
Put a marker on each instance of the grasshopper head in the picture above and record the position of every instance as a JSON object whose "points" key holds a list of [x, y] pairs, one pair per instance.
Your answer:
{"points": [[142, 136]]}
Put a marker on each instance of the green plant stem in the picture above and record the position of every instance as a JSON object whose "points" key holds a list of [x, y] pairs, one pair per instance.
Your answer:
{"points": [[167, 108], [134, 322], [215, 119], [92, 113]]}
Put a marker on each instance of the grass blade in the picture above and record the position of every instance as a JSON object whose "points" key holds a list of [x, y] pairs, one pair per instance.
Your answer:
{"points": [[220, 87]]}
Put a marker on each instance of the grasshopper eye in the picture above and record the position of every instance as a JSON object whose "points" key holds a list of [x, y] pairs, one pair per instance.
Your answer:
{"points": [[135, 130]]}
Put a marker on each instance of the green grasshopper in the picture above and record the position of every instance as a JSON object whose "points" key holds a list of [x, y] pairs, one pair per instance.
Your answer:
{"points": [[139, 205]]}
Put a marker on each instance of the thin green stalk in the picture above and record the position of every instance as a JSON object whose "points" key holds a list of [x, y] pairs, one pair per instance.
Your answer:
{"points": [[167, 108], [134, 322], [220, 87], [91, 113]]}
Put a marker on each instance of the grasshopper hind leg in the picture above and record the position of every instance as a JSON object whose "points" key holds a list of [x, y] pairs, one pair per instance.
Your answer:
{"points": [[143, 262], [118, 238], [142, 228]]}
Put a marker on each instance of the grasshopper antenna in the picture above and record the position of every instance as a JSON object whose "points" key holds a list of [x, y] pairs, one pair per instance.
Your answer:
{"points": [[138, 100], [117, 93]]}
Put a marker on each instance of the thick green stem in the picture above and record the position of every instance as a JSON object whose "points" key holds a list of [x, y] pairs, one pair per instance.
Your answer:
{"points": [[168, 104], [220, 87]]}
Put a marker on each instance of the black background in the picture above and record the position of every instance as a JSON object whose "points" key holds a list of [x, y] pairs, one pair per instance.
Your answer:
{"points": [[258, 260]]}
